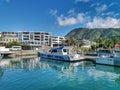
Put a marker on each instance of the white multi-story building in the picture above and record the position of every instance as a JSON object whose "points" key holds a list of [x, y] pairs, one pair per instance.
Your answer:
{"points": [[6, 37], [57, 40], [34, 38], [87, 43]]}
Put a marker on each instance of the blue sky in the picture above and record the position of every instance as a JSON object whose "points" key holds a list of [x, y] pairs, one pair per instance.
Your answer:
{"points": [[58, 16]]}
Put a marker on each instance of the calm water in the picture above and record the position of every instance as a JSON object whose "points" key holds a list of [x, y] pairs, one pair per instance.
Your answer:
{"points": [[36, 74]]}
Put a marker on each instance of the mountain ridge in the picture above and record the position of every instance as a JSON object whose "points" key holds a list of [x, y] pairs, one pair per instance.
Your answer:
{"points": [[93, 34]]}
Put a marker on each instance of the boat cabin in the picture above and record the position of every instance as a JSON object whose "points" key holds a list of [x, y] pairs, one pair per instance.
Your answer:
{"points": [[60, 51], [105, 53]]}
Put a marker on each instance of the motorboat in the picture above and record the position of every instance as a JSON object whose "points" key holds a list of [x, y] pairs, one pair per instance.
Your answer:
{"points": [[62, 53], [108, 57]]}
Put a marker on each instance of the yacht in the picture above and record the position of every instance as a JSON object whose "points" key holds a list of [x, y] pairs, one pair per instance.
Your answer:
{"points": [[62, 53]]}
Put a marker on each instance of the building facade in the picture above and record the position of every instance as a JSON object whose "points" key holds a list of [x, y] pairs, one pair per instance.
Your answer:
{"points": [[6, 37], [57, 40], [34, 38]]}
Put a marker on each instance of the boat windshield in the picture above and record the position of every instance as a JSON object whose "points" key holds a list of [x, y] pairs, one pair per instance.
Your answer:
{"points": [[117, 51], [54, 51], [105, 51]]}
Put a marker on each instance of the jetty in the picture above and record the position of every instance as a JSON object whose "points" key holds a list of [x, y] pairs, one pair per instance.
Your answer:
{"points": [[90, 58], [19, 53]]}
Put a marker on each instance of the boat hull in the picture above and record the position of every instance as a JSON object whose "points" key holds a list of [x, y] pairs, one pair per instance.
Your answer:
{"points": [[106, 61], [109, 61], [57, 57]]}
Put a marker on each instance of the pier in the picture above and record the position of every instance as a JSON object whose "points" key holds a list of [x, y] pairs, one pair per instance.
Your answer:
{"points": [[90, 58], [7, 52], [19, 53]]}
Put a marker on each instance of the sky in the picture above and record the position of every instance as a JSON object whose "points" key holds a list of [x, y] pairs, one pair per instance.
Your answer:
{"points": [[58, 17]]}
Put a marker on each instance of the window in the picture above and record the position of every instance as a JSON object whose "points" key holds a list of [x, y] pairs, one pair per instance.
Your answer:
{"points": [[25, 32], [54, 51], [64, 50]]}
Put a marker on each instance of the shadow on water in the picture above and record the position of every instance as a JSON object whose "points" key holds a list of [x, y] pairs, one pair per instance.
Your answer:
{"points": [[1, 72]]}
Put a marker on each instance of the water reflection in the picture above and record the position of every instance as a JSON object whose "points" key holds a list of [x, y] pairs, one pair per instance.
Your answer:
{"points": [[65, 69], [112, 73], [1, 72], [36, 63], [20, 63]]}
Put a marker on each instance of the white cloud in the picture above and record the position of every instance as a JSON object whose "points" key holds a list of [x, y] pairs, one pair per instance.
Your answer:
{"points": [[108, 22], [7, 1], [94, 4], [71, 12], [117, 14], [68, 21], [82, 1], [112, 4], [108, 14], [101, 8], [53, 12], [64, 21]]}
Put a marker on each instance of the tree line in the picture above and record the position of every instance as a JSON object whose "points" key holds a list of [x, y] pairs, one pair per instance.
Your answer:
{"points": [[106, 43]]}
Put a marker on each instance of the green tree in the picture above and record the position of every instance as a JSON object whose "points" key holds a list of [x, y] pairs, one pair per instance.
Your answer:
{"points": [[94, 46], [14, 43], [116, 39], [81, 44], [71, 41], [100, 42], [109, 43]]}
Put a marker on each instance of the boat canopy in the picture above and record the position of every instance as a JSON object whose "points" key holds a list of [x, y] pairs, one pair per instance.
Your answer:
{"points": [[58, 48]]}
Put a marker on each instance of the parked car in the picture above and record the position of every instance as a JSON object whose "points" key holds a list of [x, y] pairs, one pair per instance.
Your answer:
{"points": [[15, 48]]}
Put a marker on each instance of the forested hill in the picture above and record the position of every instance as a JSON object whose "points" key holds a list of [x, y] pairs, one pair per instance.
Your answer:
{"points": [[93, 34]]}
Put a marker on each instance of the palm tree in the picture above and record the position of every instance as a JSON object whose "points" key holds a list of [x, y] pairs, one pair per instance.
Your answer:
{"points": [[100, 42], [71, 41], [109, 43]]}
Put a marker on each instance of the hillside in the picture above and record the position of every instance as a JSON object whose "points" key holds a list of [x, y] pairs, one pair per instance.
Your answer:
{"points": [[93, 34]]}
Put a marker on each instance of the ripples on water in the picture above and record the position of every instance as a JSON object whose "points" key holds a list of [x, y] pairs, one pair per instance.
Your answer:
{"points": [[41, 74]]}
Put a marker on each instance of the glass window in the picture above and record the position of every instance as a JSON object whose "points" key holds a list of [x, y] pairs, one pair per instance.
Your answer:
{"points": [[54, 51], [64, 50]]}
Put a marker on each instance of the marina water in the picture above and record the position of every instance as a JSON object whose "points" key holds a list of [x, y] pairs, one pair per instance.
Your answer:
{"points": [[40, 74]]}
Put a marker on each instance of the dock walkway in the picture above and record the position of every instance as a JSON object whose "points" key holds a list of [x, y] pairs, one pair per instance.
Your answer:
{"points": [[90, 58]]}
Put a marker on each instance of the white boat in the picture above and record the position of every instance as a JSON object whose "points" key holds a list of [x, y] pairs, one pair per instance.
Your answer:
{"points": [[108, 57], [61, 53]]}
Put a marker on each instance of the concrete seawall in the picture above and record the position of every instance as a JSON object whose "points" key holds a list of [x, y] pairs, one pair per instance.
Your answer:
{"points": [[90, 58], [24, 53]]}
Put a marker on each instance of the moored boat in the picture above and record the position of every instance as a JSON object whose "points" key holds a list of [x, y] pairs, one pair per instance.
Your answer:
{"points": [[61, 53], [108, 57]]}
